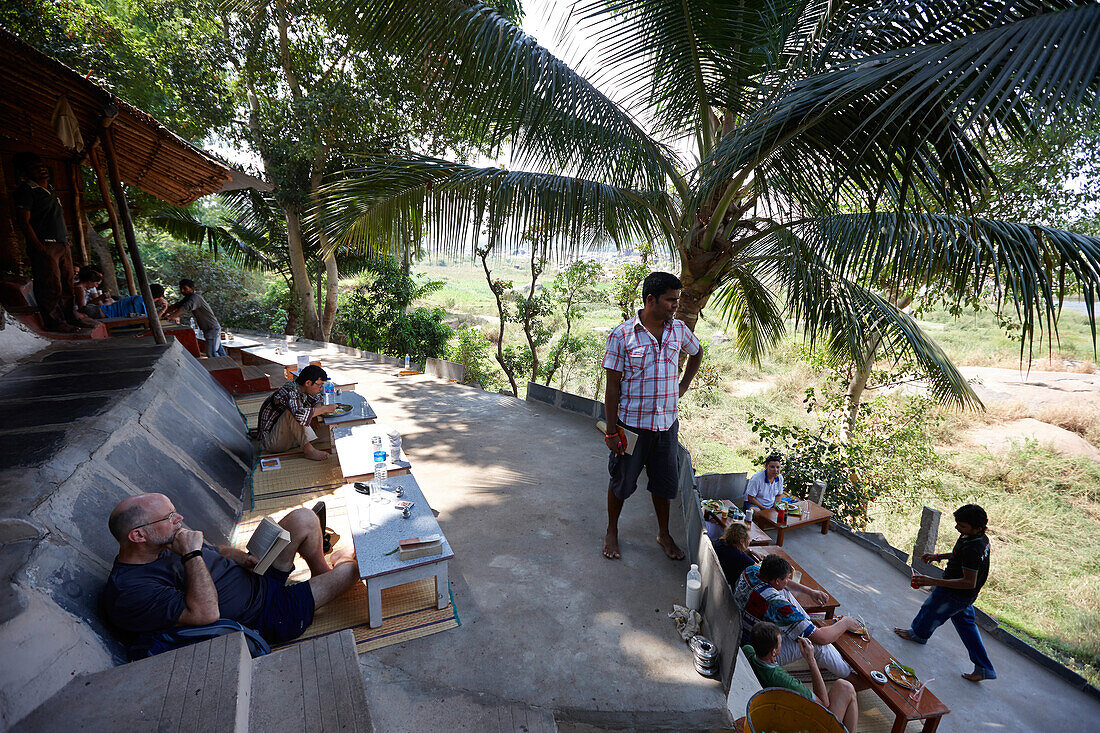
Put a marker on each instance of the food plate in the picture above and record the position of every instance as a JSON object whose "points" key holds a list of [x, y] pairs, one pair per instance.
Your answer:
{"points": [[900, 677], [878, 677], [342, 408]]}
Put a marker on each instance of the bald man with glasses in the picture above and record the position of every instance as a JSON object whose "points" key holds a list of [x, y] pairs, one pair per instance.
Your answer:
{"points": [[166, 576]]}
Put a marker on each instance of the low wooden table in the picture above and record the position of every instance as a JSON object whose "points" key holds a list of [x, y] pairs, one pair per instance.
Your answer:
{"points": [[810, 605], [757, 536], [375, 537], [865, 656], [811, 514]]}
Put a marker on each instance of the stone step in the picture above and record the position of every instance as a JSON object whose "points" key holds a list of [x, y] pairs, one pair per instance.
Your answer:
{"points": [[310, 686], [202, 687], [218, 363]]}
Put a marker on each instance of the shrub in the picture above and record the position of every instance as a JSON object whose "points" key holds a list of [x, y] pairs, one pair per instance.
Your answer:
{"points": [[471, 350]]}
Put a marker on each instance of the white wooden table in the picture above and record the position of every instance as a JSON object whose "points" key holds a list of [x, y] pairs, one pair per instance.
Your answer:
{"points": [[376, 537]]}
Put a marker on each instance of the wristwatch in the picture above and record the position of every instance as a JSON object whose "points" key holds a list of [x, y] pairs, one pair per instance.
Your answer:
{"points": [[193, 553]]}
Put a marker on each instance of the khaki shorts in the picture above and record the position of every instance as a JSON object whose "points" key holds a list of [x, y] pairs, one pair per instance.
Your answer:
{"points": [[287, 434]]}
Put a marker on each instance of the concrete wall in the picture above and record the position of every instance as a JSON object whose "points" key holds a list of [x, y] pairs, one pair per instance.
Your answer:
{"points": [[443, 369], [81, 427]]}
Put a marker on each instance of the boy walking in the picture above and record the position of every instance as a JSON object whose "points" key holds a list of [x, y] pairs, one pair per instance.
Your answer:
{"points": [[953, 597]]}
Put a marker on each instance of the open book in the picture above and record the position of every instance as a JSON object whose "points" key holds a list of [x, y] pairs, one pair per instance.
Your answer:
{"points": [[266, 543]]}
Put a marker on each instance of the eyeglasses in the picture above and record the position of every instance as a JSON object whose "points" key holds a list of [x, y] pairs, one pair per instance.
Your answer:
{"points": [[171, 516]]}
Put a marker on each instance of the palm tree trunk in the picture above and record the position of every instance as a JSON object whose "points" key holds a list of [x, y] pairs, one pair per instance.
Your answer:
{"points": [[332, 290], [103, 252], [299, 273], [864, 366]]}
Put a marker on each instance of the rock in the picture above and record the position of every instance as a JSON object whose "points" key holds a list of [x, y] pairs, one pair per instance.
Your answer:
{"points": [[999, 438]]}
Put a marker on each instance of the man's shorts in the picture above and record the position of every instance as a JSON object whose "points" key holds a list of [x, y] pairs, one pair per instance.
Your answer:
{"points": [[656, 452], [288, 609]]}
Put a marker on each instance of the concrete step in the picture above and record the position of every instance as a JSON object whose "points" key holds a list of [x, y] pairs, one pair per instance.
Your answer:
{"points": [[202, 687], [311, 686], [218, 363]]}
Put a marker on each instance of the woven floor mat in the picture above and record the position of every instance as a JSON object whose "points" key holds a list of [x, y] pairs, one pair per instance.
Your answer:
{"points": [[296, 475], [408, 611], [875, 717]]}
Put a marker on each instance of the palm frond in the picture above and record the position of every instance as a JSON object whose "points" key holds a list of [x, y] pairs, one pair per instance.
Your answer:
{"points": [[682, 57], [896, 128], [185, 225], [850, 318], [481, 71], [1026, 266], [388, 201], [748, 306]]}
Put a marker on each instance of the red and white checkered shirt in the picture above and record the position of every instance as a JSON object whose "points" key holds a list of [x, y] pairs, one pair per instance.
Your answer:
{"points": [[650, 387]]}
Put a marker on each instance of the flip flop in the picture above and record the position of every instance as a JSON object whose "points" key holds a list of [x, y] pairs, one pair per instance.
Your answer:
{"points": [[330, 538]]}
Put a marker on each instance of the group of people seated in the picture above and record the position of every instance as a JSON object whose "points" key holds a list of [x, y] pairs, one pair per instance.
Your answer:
{"points": [[778, 631]]}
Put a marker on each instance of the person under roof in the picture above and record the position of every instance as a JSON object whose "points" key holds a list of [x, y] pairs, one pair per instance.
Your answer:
{"points": [[203, 315]]}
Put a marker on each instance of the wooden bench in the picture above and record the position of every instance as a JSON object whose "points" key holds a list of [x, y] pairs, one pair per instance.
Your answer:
{"points": [[867, 656]]}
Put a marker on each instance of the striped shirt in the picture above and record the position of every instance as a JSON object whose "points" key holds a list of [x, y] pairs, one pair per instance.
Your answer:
{"points": [[650, 388]]}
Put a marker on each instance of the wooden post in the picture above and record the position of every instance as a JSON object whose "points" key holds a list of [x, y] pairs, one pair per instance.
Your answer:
{"points": [[112, 217], [10, 259], [77, 182], [128, 225]]}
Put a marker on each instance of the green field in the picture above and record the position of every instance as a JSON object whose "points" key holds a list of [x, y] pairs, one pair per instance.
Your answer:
{"points": [[1044, 508]]}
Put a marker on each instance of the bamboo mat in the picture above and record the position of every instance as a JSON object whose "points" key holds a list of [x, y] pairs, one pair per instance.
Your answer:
{"points": [[295, 476], [875, 717], [408, 611]]}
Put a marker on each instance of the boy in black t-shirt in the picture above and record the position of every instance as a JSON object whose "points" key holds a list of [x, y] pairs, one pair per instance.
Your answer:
{"points": [[953, 597]]}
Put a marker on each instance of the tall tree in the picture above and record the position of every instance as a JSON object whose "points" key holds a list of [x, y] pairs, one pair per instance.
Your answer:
{"points": [[837, 147]]}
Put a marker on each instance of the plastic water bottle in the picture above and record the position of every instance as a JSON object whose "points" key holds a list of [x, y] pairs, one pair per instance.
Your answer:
{"points": [[330, 391], [406, 362], [694, 588], [380, 456]]}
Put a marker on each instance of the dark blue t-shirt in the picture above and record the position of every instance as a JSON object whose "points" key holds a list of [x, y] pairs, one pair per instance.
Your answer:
{"points": [[150, 597], [733, 561]]}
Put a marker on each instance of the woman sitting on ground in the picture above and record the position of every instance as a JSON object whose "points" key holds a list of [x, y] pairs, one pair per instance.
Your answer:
{"points": [[733, 552]]}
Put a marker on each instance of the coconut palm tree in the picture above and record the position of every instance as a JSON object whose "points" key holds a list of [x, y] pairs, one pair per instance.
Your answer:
{"points": [[836, 148]]}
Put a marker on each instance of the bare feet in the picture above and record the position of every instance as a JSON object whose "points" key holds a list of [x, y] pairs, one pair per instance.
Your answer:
{"points": [[904, 633], [314, 454], [670, 547], [341, 555], [611, 546]]}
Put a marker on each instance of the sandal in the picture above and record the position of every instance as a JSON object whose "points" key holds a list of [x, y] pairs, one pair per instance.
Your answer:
{"points": [[329, 538]]}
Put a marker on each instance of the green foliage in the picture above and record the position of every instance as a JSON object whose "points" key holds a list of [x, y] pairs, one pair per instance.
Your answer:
{"points": [[376, 314], [162, 56], [578, 360], [228, 288], [625, 281], [471, 350], [889, 451]]}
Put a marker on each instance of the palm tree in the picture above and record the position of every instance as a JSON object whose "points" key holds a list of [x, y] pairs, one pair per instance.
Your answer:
{"points": [[837, 148]]}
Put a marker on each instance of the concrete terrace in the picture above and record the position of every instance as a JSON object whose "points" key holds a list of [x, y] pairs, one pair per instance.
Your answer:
{"points": [[547, 622]]}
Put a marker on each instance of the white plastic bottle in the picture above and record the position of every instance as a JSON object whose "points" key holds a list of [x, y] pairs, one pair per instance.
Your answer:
{"points": [[380, 456], [330, 391], [694, 588], [406, 362]]}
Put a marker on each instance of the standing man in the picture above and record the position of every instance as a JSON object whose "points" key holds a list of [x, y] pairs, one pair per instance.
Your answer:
{"points": [[203, 315], [643, 392], [41, 217], [953, 596]]}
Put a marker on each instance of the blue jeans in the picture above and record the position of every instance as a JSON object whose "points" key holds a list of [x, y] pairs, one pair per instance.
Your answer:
{"points": [[943, 604], [214, 346]]}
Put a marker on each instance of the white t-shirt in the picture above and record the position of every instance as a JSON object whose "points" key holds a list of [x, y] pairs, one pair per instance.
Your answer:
{"points": [[765, 493]]}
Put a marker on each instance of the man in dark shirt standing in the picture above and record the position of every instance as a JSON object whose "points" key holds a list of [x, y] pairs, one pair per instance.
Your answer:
{"points": [[203, 315], [165, 575], [953, 596], [42, 220]]}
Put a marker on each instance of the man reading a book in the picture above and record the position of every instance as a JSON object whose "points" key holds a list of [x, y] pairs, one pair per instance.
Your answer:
{"points": [[287, 415], [166, 576]]}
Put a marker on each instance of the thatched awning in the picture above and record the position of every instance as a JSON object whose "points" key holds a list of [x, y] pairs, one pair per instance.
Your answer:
{"points": [[150, 157]]}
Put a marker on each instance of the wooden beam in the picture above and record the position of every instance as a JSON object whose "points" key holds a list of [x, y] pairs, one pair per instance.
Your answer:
{"points": [[128, 226], [77, 182], [112, 217]]}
